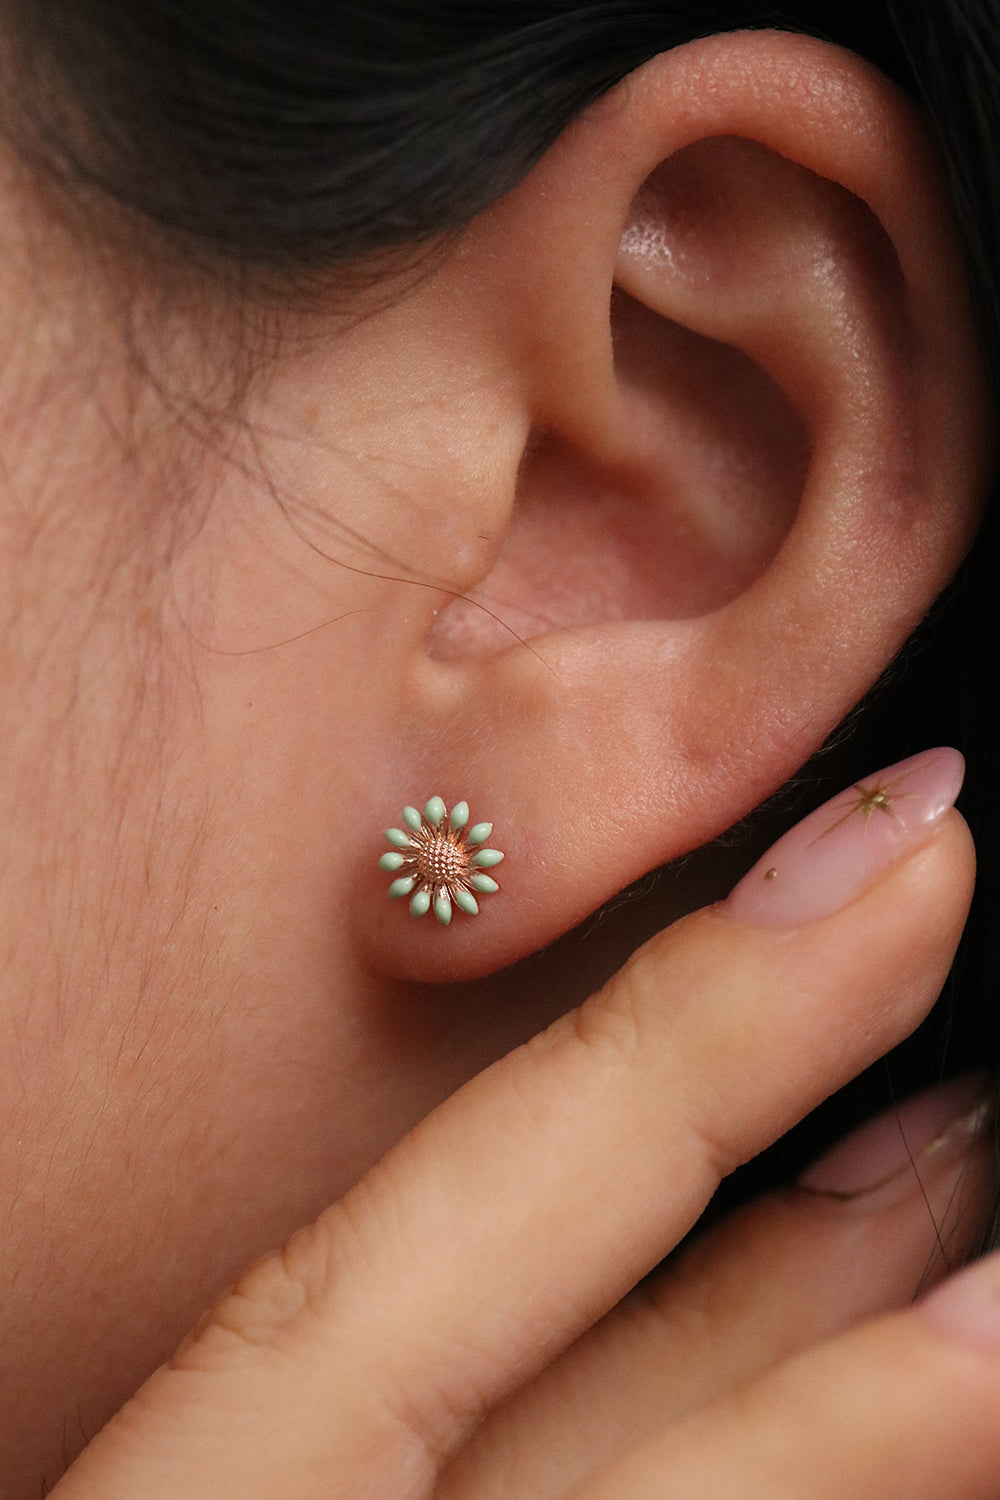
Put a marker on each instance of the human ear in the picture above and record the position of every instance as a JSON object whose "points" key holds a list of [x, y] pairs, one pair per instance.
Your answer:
{"points": [[731, 299]]}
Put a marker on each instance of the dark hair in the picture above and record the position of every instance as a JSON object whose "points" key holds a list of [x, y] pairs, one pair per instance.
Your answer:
{"points": [[293, 133], [307, 130]]}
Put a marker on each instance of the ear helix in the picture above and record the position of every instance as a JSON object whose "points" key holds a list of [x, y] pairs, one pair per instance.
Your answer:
{"points": [[440, 861]]}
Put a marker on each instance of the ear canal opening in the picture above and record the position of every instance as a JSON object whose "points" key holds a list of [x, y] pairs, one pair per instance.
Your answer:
{"points": [[714, 462]]}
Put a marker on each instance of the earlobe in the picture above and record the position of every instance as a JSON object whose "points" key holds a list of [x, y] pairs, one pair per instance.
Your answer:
{"points": [[758, 452]]}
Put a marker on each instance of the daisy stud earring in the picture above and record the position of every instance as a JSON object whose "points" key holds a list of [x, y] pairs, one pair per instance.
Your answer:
{"points": [[439, 860]]}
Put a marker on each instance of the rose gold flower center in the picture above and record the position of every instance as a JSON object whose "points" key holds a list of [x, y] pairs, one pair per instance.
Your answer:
{"points": [[439, 860]]}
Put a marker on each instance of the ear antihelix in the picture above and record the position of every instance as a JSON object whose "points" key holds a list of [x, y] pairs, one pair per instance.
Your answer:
{"points": [[741, 245]]}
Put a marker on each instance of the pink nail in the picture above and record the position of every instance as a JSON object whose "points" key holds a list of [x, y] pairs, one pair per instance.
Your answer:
{"points": [[901, 1141], [835, 853]]}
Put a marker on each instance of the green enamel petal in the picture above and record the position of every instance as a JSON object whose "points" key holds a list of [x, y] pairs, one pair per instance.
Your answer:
{"points": [[479, 833], [435, 810], [467, 901], [421, 904], [459, 815], [484, 883], [487, 858], [403, 886], [392, 861], [397, 837], [442, 910], [411, 818]]}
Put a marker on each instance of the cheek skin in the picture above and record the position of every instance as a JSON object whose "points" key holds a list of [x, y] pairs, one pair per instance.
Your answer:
{"points": [[174, 1103]]}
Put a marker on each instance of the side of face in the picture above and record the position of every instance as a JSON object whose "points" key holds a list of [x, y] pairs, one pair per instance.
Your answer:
{"points": [[601, 524]]}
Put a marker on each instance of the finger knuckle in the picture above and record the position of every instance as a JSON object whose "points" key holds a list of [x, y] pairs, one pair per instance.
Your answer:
{"points": [[617, 1025], [252, 1315]]}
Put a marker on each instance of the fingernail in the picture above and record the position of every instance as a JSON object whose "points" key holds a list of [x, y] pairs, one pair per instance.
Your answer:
{"points": [[936, 1126], [835, 853], [967, 1306]]}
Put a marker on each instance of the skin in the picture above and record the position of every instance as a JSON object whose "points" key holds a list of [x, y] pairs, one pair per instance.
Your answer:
{"points": [[235, 541]]}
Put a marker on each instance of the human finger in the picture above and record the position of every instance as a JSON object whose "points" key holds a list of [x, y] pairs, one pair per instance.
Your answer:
{"points": [[884, 1214], [528, 1204], [904, 1408]]}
